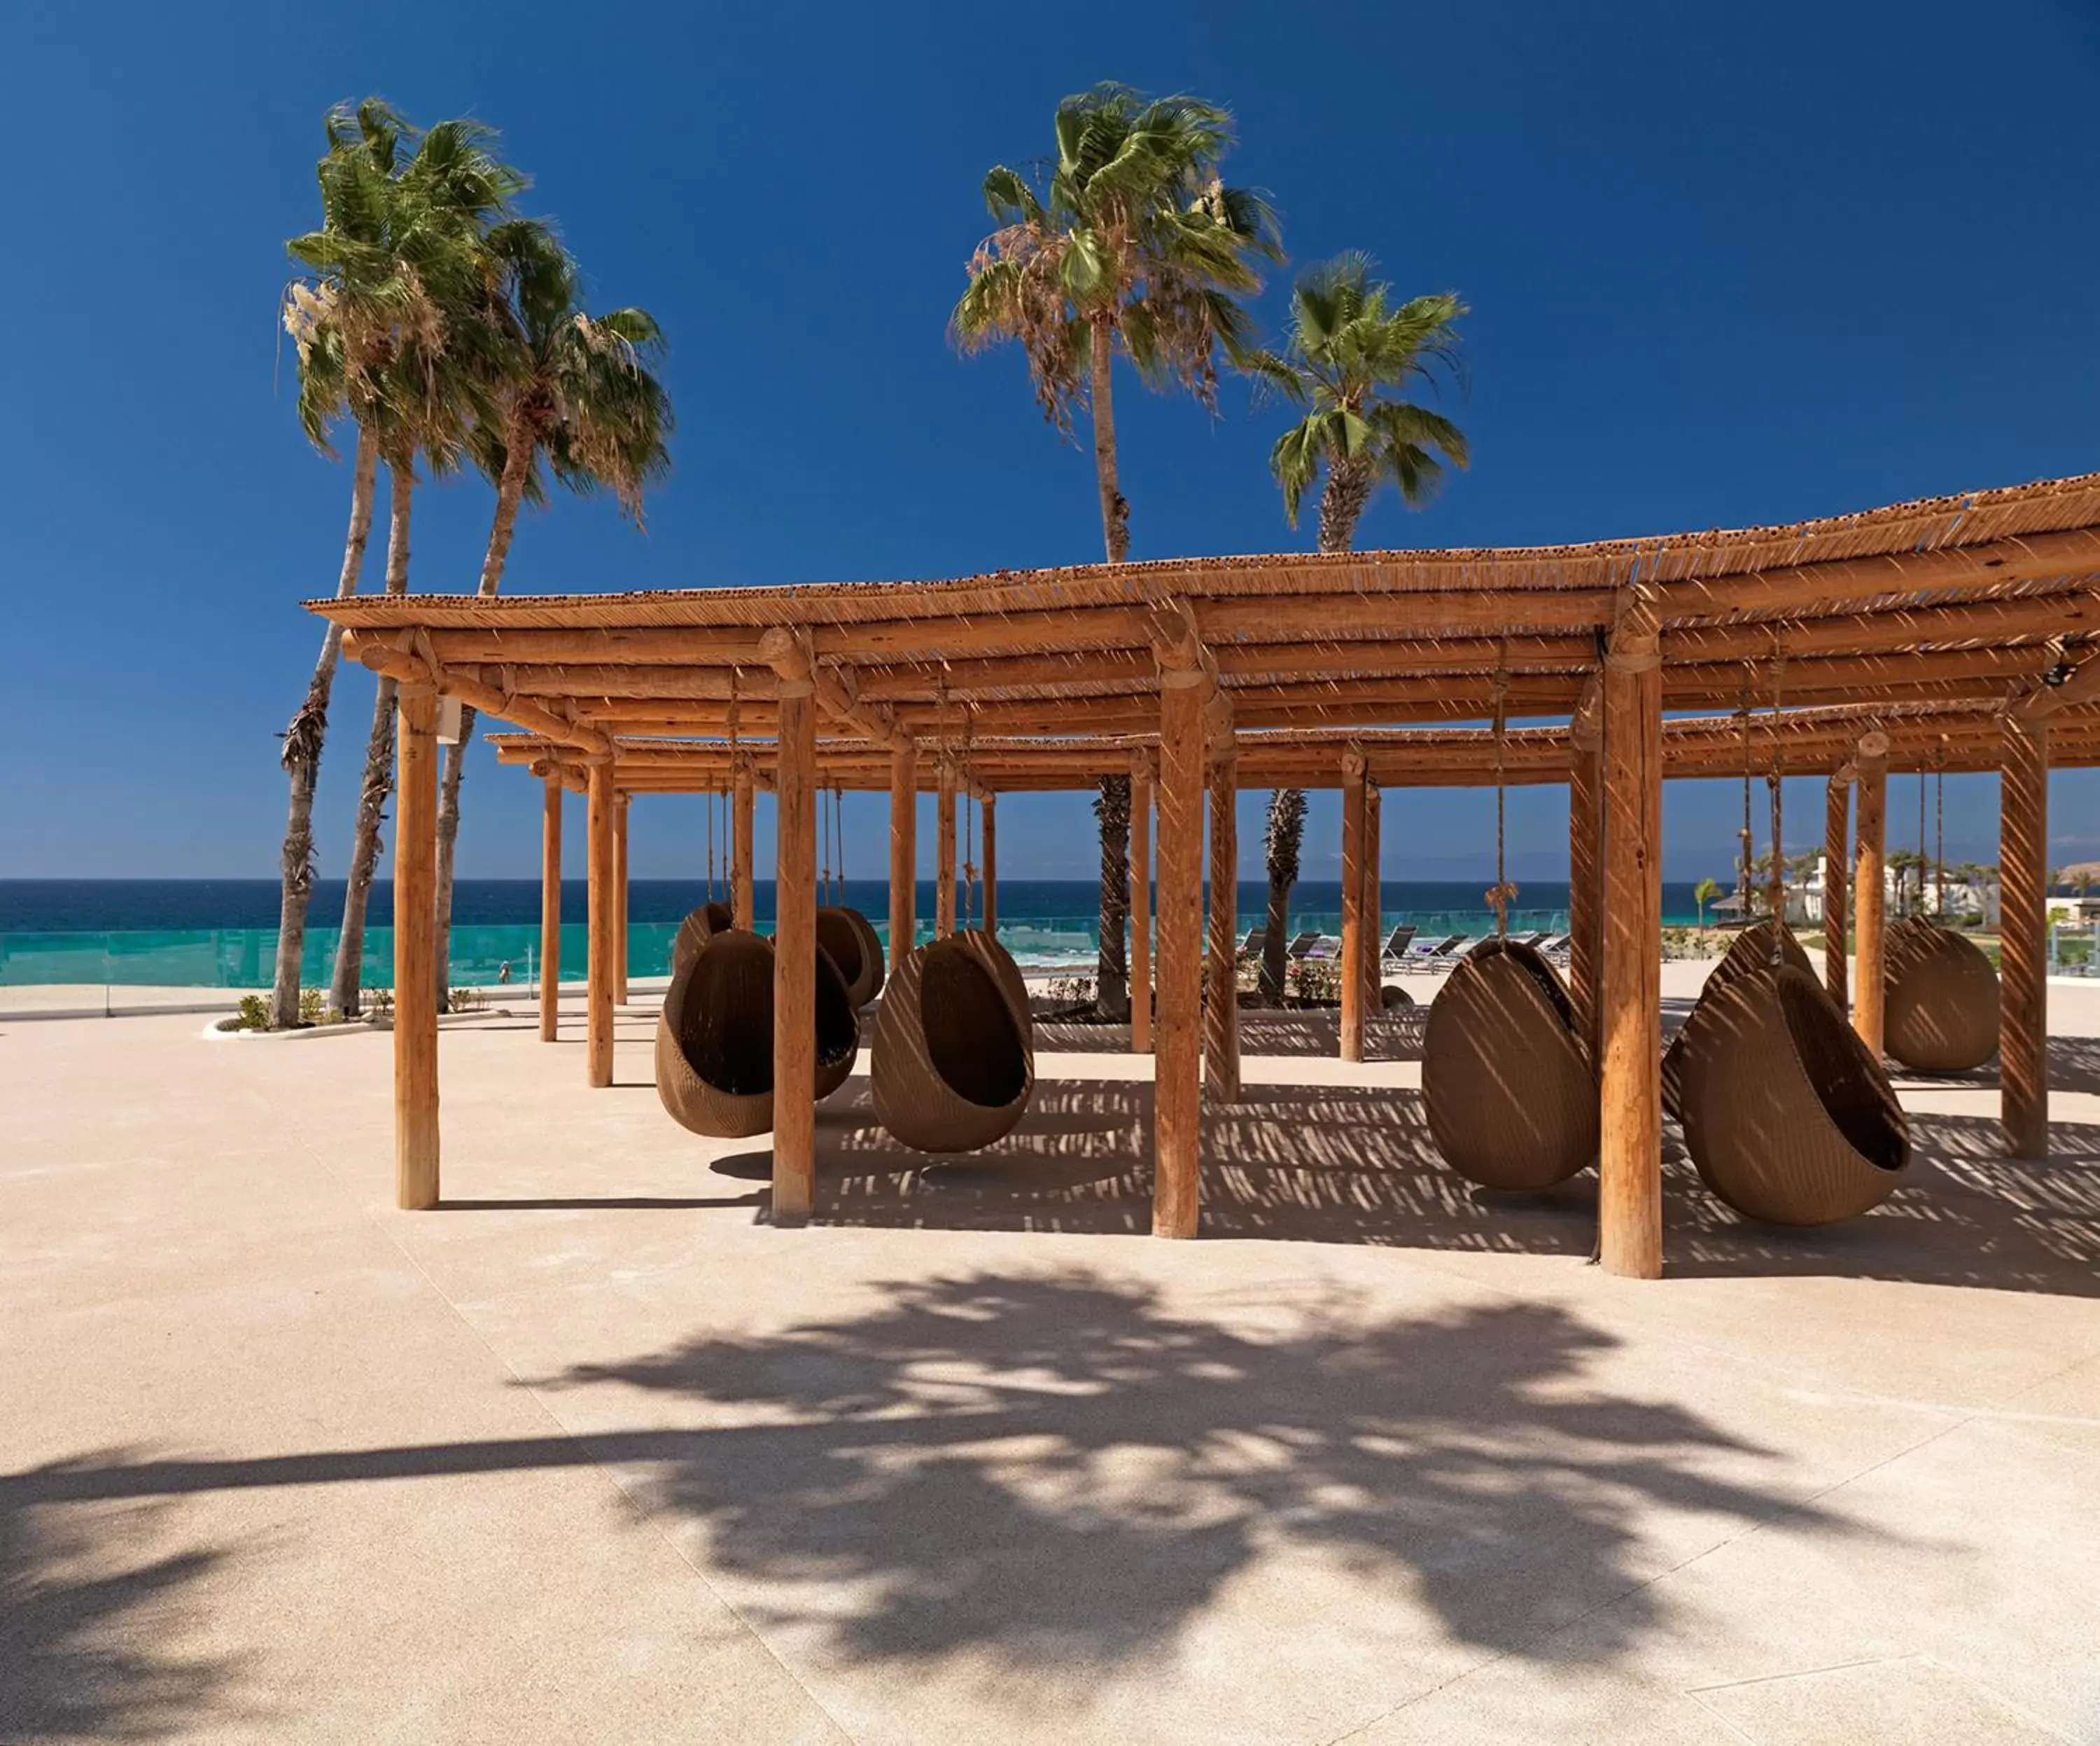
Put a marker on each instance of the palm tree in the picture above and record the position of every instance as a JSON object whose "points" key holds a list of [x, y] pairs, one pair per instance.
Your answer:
{"points": [[338, 328], [1136, 244], [575, 388], [1282, 842], [1350, 349], [1702, 894], [401, 293]]}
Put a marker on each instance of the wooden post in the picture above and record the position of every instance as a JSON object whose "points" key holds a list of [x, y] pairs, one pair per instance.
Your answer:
{"points": [[1352, 904], [904, 853], [604, 927], [621, 950], [944, 849], [416, 952], [1370, 931], [795, 957], [1585, 847], [1140, 903], [1837, 870], [743, 806], [1221, 1005], [550, 913], [988, 812], [1177, 1072], [1870, 895], [1630, 1161], [2023, 938]]}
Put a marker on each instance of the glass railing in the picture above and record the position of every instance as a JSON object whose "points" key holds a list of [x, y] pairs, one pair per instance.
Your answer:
{"points": [[489, 955]]}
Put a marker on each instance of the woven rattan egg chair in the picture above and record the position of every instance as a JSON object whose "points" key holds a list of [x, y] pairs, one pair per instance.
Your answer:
{"points": [[846, 937], [714, 1037], [1789, 1116], [1940, 1007], [953, 1062], [1752, 950], [696, 930], [1507, 1080]]}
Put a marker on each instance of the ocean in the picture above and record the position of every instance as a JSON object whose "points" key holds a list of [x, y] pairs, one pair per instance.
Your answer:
{"points": [[222, 934]]}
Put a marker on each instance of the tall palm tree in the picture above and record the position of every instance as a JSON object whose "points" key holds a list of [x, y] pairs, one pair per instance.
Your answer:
{"points": [[1704, 893], [1350, 350], [1282, 843], [573, 388], [403, 295], [1136, 244], [338, 325]]}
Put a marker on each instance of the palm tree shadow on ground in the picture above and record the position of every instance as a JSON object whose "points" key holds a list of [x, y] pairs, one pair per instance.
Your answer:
{"points": [[88, 1622], [1062, 1469]]}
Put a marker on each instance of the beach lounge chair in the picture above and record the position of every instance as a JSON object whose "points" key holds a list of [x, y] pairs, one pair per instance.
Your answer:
{"points": [[1304, 943], [1324, 945], [1252, 946], [1433, 948], [1556, 946], [1396, 944], [1444, 950]]}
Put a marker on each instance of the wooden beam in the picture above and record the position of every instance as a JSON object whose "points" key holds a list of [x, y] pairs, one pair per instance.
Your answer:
{"points": [[1371, 933], [1870, 892], [603, 869], [1836, 867], [904, 853], [2024, 937], [416, 950], [1177, 1074], [1353, 777], [550, 914], [1141, 768], [1221, 1009], [944, 849], [1986, 622], [743, 805], [1586, 830], [623, 944], [795, 957], [408, 669], [1630, 1161], [988, 813]]}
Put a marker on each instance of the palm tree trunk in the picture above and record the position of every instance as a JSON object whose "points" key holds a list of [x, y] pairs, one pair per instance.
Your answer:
{"points": [[1112, 966], [1115, 510], [1342, 500], [1275, 925], [302, 758], [347, 985], [519, 451]]}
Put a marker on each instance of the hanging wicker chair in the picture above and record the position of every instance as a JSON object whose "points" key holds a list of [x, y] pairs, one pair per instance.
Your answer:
{"points": [[1750, 951], [1788, 1116], [845, 935], [877, 955], [714, 1038], [1940, 1013], [953, 1062], [709, 919], [1507, 1080]]}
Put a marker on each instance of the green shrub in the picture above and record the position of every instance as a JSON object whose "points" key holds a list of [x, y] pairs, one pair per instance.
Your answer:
{"points": [[465, 1000], [379, 1003], [312, 1005], [252, 1014]]}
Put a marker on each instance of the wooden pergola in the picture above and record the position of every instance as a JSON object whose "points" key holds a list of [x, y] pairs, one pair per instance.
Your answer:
{"points": [[1954, 633]]}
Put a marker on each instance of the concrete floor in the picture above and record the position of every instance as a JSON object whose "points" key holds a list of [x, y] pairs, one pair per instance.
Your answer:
{"points": [[595, 1453]]}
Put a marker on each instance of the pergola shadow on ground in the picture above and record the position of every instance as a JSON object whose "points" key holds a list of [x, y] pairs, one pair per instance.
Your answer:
{"points": [[1047, 1467], [1339, 1164]]}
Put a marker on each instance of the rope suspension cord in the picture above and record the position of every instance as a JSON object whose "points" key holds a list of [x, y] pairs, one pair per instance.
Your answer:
{"points": [[1743, 860], [1921, 840], [969, 830], [1498, 898], [1775, 782], [1939, 839], [711, 845]]}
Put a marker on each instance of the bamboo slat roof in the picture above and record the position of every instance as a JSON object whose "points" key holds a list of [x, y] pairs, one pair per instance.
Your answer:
{"points": [[1950, 603]]}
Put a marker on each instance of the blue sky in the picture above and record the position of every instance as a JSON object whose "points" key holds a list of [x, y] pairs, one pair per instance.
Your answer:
{"points": [[1728, 264]]}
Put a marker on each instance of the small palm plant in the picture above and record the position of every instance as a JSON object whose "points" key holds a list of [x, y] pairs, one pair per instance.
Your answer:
{"points": [[1705, 891]]}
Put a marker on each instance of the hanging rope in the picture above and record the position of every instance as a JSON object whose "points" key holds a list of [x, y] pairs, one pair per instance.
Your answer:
{"points": [[1500, 894], [711, 845], [1939, 841], [1921, 840], [1775, 782], [1749, 841], [969, 828]]}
